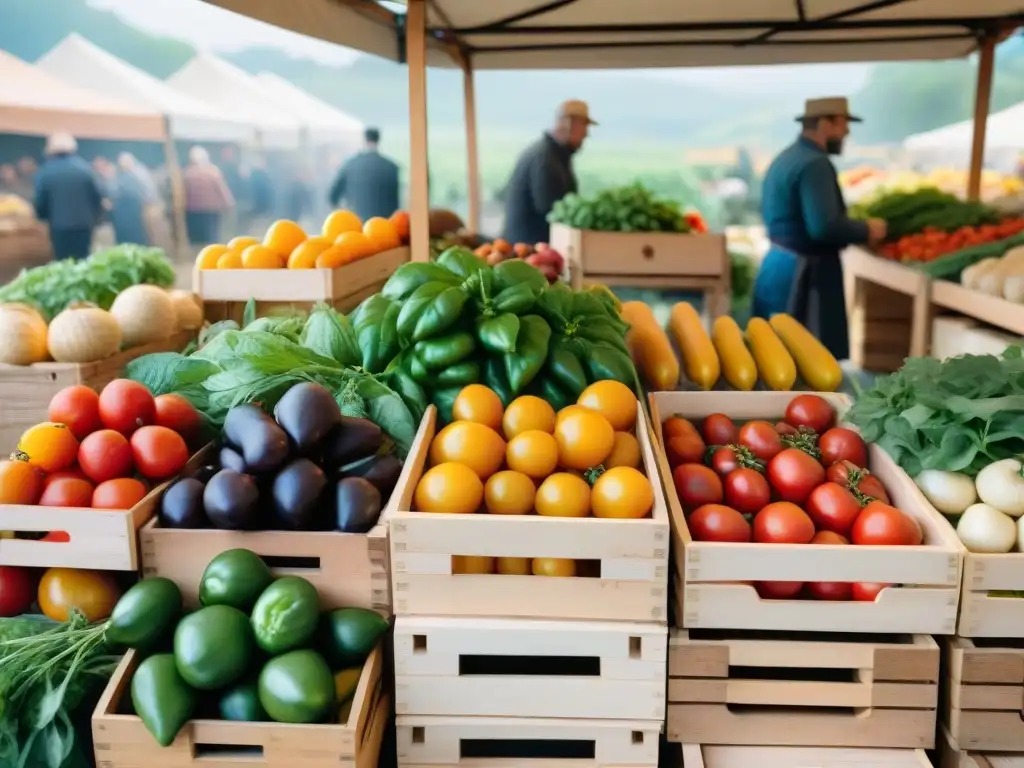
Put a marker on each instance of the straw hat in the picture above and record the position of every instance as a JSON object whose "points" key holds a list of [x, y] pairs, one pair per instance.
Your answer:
{"points": [[61, 144], [832, 106], [575, 108]]}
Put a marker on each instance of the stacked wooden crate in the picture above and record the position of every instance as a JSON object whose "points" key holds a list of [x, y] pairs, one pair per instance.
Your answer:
{"points": [[836, 678], [522, 668]]}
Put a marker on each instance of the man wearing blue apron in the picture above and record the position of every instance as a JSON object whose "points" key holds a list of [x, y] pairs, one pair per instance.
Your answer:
{"points": [[805, 216]]}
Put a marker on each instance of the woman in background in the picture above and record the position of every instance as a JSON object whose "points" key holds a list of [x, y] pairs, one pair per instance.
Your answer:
{"points": [[207, 198]]}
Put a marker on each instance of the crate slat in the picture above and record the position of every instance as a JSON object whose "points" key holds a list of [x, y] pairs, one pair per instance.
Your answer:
{"points": [[985, 695], [950, 755], [703, 756]]}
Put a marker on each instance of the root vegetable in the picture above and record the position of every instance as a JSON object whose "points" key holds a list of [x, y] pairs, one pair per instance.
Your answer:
{"points": [[983, 528], [1002, 486], [949, 492]]}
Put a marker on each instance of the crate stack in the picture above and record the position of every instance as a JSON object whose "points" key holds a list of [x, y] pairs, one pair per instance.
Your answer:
{"points": [[494, 667], [794, 683]]}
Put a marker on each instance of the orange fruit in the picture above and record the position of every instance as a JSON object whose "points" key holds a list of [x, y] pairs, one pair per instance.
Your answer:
{"points": [[304, 257], [239, 244], [283, 237], [207, 258], [382, 234], [48, 446], [261, 257], [401, 221], [230, 260], [339, 222], [332, 258], [355, 245]]}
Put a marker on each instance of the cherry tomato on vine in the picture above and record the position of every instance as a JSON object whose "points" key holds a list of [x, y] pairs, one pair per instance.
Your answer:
{"points": [[717, 522], [786, 429], [880, 523], [718, 429], [746, 490], [761, 438], [724, 460], [845, 473], [783, 523], [810, 411], [829, 537], [697, 485], [842, 444], [793, 474], [833, 508], [685, 449]]}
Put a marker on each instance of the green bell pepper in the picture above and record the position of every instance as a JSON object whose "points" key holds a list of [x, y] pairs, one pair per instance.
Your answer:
{"points": [[444, 400], [515, 299], [297, 687], [517, 272], [498, 334], [162, 698], [213, 647], [442, 351], [459, 375], [286, 615], [531, 351], [495, 379], [565, 369], [461, 261], [606, 362], [375, 323], [241, 702], [411, 275], [235, 577], [145, 614]]}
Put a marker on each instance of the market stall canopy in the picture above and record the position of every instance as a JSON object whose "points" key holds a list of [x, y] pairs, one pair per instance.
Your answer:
{"points": [[1004, 131], [613, 34], [236, 94], [79, 62], [326, 124], [36, 103]]}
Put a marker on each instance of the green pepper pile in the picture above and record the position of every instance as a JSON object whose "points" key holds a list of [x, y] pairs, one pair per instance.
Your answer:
{"points": [[633, 208], [908, 213]]}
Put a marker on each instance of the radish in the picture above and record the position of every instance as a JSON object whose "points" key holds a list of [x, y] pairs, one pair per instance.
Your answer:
{"points": [[949, 492], [1002, 486], [983, 528]]}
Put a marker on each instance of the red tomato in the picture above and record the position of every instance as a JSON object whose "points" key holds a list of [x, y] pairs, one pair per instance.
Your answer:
{"points": [[829, 537], [783, 523], [746, 490], [810, 411], [833, 508], [61, 537], [867, 591], [778, 590], [842, 444], [685, 449], [75, 473], [67, 492], [794, 474], [724, 460], [697, 485], [177, 413], [105, 455], [851, 476], [17, 590], [786, 429], [122, 493], [78, 407], [159, 452], [830, 590], [872, 487], [717, 522], [761, 438], [718, 429], [676, 426], [879, 523], [126, 405]]}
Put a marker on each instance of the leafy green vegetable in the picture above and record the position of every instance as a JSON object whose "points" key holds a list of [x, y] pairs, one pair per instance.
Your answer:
{"points": [[96, 279], [631, 208], [959, 414], [330, 333]]}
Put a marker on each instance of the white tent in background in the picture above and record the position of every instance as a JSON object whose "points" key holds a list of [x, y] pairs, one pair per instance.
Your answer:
{"points": [[1004, 132], [326, 124], [233, 92], [79, 62]]}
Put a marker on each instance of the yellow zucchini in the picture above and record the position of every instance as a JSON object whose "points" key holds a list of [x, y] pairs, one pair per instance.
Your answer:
{"points": [[774, 363], [816, 364], [649, 347], [738, 365], [699, 355]]}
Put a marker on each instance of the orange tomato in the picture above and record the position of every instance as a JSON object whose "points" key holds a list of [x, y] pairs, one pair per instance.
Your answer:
{"points": [[553, 566], [528, 413], [382, 234], [622, 492], [261, 257], [472, 564], [20, 482], [563, 495], [401, 221], [534, 453], [478, 447], [355, 245], [613, 400], [94, 593], [332, 258], [121, 493], [67, 492], [509, 493], [78, 407], [514, 566], [585, 439], [625, 452], [480, 404], [305, 255], [50, 447], [239, 244], [340, 221], [207, 258], [451, 488], [230, 260], [283, 237]]}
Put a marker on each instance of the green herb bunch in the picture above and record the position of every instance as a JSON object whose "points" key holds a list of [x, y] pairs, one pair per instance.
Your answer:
{"points": [[632, 208]]}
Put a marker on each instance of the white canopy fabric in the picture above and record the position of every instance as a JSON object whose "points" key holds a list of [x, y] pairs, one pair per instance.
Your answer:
{"points": [[81, 63], [1004, 131], [231, 91], [326, 124], [613, 34], [36, 103]]}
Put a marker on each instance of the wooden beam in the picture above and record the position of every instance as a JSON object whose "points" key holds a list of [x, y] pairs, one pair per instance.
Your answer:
{"points": [[982, 99], [369, 9], [419, 192], [472, 151]]}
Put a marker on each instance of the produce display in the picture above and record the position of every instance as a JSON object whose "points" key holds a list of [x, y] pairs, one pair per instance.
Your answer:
{"points": [[1001, 276], [542, 256], [343, 239], [624, 209], [1002, 190], [16, 207], [802, 480], [526, 459], [306, 468]]}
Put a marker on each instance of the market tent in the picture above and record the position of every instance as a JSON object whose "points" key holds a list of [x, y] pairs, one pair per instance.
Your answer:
{"points": [[326, 124], [79, 62], [1004, 131], [34, 102], [236, 94]]}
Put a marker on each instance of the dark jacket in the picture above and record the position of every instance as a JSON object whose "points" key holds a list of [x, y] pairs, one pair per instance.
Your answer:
{"points": [[67, 195], [368, 183], [543, 175], [128, 214], [261, 192]]}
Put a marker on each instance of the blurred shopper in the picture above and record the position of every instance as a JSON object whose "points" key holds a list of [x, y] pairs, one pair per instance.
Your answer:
{"points": [[129, 198], [10, 184], [261, 197], [805, 216], [299, 201], [207, 197], [543, 174], [367, 181], [67, 197]]}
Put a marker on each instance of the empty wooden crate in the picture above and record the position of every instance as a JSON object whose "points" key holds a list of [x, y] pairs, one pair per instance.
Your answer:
{"points": [[985, 694], [950, 755]]}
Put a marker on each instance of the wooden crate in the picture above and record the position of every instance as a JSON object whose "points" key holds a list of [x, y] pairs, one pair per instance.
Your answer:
{"points": [[983, 613], [994, 310], [122, 741], [26, 390], [790, 689], [950, 755], [984, 694], [507, 742], [633, 556], [529, 668], [708, 576], [700, 756]]}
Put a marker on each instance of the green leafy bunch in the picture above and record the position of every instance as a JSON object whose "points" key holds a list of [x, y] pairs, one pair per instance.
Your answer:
{"points": [[632, 208]]}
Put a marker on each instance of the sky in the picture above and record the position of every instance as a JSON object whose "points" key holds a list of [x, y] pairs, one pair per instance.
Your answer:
{"points": [[214, 29]]}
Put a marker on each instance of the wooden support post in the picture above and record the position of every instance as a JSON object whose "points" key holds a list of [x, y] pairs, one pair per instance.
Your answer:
{"points": [[982, 97], [472, 152], [179, 229], [419, 193]]}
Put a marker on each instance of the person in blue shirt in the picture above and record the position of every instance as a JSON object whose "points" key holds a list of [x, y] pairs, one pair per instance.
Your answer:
{"points": [[805, 216], [367, 182], [68, 198]]}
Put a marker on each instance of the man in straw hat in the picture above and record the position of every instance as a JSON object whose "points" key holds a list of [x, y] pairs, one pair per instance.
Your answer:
{"points": [[805, 216], [543, 174]]}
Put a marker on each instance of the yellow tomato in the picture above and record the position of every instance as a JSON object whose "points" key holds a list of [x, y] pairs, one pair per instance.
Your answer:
{"points": [[622, 492], [478, 447], [585, 439], [261, 257], [509, 493], [207, 258], [625, 452], [528, 413], [480, 404], [569, 410], [534, 453], [472, 564], [563, 495], [94, 593], [305, 255], [239, 244], [449, 487], [553, 566], [514, 566], [613, 400], [230, 260], [283, 237], [338, 222]]}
